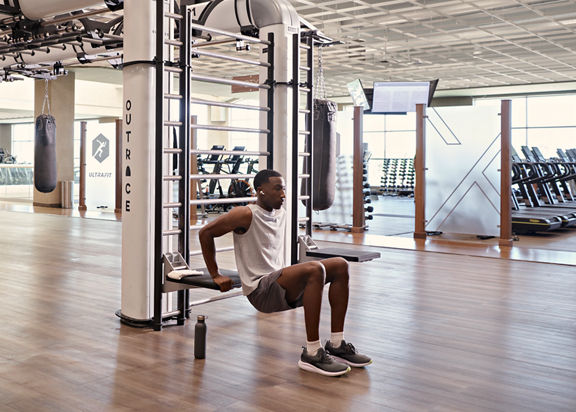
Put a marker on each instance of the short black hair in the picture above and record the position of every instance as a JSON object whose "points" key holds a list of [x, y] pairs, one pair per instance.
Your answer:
{"points": [[263, 176]]}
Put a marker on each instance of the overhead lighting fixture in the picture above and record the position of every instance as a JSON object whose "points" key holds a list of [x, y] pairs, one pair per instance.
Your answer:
{"points": [[568, 22], [397, 21]]}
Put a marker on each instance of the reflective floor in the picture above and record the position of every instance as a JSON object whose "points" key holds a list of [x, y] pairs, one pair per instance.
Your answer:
{"points": [[447, 332]]}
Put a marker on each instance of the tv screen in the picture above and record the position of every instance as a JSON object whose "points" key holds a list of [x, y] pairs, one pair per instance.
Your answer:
{"points": [[358, 96], [399, 97]]}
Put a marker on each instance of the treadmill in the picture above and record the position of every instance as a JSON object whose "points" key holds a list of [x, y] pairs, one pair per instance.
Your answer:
{"points": [[528, 219], [555, 177]]}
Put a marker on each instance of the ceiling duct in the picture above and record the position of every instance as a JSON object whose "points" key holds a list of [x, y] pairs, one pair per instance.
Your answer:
{"points": [[250, 15], [42, 9]]}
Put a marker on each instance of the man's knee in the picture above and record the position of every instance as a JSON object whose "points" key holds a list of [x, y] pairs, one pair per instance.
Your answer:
{"points": [[342, 264], [316, 272], [341, 268]]}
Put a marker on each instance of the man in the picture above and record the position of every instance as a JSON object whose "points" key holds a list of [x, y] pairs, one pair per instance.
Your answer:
{"points": [[270, 286]]}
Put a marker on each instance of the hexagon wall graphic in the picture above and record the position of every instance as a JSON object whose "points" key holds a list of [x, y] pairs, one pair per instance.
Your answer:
{"points": [[100, 148]]}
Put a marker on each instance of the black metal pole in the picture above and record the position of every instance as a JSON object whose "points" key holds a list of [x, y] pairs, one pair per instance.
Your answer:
{"points": [[295, 136], [184, 158], [310, 128], [270, 81], [158, 281]]}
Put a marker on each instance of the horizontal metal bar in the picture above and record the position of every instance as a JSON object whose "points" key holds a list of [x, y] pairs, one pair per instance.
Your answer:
{"points": [[304, 111], [304, 176], [230, 58], [304, 89], [172, 123], [172, 178], [113, 36], [305, 68], [230, 105], [172, 69], [75, 16], [226, 295], [214, 43], [172, 150], [228, 81], [304, 46], [304, 132], [222, 201], [171, 232], [229, 34], [228, 128], [306, 197], [199, 252], [173, 16], [172, 96], [220, 176], [304, 154], [171, 205], [229, 152], [96, 59], [171, 42], [303, 219]]}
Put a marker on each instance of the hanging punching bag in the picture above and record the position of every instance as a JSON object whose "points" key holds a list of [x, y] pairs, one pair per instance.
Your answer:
{"points": [[324, 147], [45, 150], [324, 154]]}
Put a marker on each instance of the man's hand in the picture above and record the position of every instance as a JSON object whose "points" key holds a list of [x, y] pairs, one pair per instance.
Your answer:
{"points": [[224, 282]]}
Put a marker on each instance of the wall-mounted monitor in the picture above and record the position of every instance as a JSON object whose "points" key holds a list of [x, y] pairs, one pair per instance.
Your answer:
{"points": [[357, 93], [399, 97]]}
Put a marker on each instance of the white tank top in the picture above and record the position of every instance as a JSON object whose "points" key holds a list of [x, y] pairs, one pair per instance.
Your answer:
{"points": [[260, 250]]}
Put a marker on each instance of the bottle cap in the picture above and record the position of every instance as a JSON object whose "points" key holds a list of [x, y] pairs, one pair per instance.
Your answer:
{"points": [[201, 318]]}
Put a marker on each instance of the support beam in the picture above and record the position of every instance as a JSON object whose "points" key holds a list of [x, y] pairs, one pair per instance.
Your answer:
{"points": [[420, 170], [358, 218], [505, 174], [82, 201]]}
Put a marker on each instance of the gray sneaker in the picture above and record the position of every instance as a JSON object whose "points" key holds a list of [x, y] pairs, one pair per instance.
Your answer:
{"points": [[346, 353], [322, 363]]}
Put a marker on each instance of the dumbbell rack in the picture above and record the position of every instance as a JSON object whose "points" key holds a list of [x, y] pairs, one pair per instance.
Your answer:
{"points": [[397, 177]]}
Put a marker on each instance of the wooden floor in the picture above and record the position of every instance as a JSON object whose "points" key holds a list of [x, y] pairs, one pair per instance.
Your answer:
{"points": [[447, 333]]}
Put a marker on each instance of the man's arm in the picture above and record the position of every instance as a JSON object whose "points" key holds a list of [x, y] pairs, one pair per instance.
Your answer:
{"points": [[238, 218]]}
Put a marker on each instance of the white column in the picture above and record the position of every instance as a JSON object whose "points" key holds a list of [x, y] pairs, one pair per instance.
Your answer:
{"points": [[283, 96], [138, 160], [6, 137]]}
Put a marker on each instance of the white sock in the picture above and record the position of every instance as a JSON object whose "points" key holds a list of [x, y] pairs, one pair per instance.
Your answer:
{"points": [[336, 339], [312, 347]]}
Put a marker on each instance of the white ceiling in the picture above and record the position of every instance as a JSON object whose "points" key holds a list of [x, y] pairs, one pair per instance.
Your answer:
{"points": [[464, 43]]}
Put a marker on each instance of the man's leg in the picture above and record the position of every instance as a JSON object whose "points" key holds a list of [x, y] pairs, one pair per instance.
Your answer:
{"points": [[307, 278], [337, 276]]}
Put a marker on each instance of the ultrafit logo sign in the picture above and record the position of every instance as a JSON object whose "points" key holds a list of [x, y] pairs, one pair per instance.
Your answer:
{"points": [[100, 148]]}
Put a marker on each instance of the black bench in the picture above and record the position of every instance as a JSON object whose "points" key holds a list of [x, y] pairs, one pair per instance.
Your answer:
{"points": [[349, 255], [205, 280]]}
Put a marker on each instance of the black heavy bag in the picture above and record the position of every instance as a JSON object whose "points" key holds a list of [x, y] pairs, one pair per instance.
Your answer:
{"points": [[45, 153], [323, 155]]}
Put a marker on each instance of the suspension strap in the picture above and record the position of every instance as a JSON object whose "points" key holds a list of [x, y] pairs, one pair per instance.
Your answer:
{"points": [[46, 98]]}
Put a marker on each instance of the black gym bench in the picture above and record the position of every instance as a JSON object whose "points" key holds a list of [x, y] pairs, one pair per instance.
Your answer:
{"points": [[349, 255], [205, 280]]}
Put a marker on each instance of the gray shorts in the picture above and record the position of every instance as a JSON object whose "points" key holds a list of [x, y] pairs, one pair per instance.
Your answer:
{"points": [[270, 297]]}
